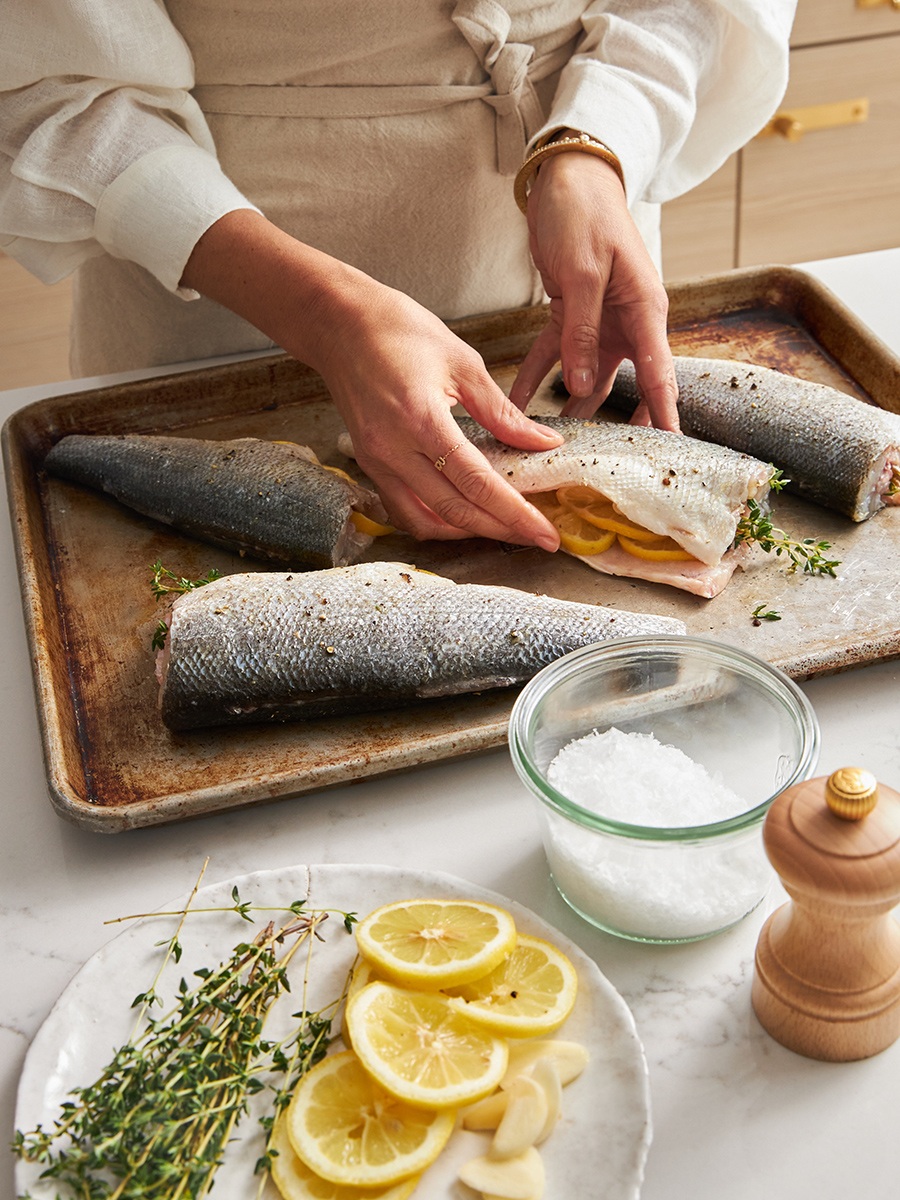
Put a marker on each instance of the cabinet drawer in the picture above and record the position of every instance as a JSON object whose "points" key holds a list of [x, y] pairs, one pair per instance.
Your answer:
{"points": [[834, 191], [699, 228], [838, 20]]}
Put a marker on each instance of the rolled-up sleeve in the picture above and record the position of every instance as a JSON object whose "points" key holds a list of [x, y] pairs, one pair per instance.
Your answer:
{"points": [[674, 86], [102, 146]]}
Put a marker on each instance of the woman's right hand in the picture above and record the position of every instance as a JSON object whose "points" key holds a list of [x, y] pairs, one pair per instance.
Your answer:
{"points": [[395, 372]]}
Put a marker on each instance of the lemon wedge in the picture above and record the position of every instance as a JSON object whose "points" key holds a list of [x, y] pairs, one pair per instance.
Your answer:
{"points": [[296, 1181], [422, 1048], [528, 995], [346, 1128], [432, 943]]}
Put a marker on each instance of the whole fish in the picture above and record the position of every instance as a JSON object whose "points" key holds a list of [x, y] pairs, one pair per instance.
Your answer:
{"points": [[272, 500], [678, 487], [837, 451], [279, 647]]}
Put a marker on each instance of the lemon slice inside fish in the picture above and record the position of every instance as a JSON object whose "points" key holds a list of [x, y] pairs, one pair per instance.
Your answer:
{"points": [[598, 511], [366, 525], [529, 994], [661, 549], [349, 1130], [579, 537]]}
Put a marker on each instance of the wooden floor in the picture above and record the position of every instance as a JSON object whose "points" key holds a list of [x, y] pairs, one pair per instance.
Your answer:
{"points": [[34, 328]]}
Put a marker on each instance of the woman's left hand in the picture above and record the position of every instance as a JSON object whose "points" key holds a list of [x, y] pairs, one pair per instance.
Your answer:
{"points": [[607, 302]]}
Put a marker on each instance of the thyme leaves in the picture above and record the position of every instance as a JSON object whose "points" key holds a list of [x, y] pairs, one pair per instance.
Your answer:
{"points": [[156, 1122], [756, 526]]}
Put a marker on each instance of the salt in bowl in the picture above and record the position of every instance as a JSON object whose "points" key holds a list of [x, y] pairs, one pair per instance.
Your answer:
{"points": [[653, 761]]}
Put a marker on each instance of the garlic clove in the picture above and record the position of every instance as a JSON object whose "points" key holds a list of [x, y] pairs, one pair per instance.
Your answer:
{"points": [[569, 1058], [525, 1118], [520, 1178], [486, 1113], [546, 1076]]}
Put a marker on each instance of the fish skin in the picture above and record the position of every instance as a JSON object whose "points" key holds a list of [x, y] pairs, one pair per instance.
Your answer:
{"points": [[272, 500], [837, 450], [692, 491], [277, 647]]}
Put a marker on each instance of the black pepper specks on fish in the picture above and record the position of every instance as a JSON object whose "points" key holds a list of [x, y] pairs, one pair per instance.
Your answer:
{"points": [[834, 448], [395, 636], [272, 500]]}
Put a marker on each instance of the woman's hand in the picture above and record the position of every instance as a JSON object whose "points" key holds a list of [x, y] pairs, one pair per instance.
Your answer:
{"points": [[394, 371], [607, 301]]}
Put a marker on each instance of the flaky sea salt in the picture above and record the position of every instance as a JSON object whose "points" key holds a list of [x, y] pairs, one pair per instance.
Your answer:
{"points": [[652, 889], [632, 777]]}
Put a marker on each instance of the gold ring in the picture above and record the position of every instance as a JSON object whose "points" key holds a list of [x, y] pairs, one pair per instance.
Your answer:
{"points": [[440, 463]]}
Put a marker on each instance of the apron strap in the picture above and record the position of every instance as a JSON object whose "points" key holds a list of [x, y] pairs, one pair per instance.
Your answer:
{"points": [[485, 25], [511, 67]]}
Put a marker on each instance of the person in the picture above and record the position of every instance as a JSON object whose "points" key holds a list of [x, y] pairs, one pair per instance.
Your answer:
{"points": [[337, 180]]}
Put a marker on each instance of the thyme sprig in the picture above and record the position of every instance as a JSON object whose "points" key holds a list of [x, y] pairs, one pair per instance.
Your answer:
{"points": [[761, 613], [756, 526], [164, 582], [156, 1122]]}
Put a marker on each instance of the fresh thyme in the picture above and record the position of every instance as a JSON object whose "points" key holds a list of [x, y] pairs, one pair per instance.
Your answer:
{"points": [[165, 581], [162, 583], [761, 613], [807, 553], [156, 1123]]}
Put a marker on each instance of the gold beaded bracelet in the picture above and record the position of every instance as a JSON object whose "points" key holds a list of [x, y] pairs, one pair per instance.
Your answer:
{"points": [[571, 141]]}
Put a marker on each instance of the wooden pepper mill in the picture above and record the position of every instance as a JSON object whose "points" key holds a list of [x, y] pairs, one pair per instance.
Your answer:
{"points": [[827, 980]]}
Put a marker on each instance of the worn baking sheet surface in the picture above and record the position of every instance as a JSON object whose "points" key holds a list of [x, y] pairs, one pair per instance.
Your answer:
{"points": [[84, 564]]}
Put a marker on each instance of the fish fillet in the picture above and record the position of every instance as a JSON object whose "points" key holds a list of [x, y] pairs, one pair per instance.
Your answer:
{"points": [[836, 450], [273, 500], [280, 647], [678, 487]]}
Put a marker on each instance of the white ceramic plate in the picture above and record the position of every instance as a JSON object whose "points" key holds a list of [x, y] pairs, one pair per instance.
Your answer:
{"points": [[601, 1142]]}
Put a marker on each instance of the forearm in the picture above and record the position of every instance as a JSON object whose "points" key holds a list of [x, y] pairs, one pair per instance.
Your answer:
{"points": [[292, 292]]}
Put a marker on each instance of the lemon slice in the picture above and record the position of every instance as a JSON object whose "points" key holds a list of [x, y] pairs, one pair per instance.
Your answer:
{"points": [[597, 510], [363, 972], [661, 549], [545, 502], [296, 1181], [349, 1130], [579, 536], [365, 524], [432, 943], [422, 1048], [531, 993]]}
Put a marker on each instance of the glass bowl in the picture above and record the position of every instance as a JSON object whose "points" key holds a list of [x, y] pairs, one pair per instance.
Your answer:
{"points": [[641, 842]]}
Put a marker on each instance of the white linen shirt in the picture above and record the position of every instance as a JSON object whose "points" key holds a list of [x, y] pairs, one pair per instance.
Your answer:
{"points": [[104, 148]]}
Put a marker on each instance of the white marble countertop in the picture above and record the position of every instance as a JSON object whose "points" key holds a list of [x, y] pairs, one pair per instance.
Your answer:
{"points": [[735, 1115]]}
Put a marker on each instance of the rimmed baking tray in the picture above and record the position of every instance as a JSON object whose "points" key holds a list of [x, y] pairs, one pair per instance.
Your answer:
{"points": [[84, 566]]}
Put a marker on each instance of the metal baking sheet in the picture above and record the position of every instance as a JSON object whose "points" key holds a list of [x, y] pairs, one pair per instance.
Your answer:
{"points": [[84, 565]]}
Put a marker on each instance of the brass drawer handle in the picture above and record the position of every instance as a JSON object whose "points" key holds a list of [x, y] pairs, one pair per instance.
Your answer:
{"points": [[793, 123], [895, 4]]}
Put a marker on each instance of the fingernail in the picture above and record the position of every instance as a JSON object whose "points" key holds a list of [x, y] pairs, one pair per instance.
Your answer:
{"points": [[581, 381], [546, 542], [549, 433]]}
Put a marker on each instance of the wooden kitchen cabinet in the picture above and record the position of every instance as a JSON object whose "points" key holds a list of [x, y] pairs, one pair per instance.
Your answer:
{"points": [[820, 192]]}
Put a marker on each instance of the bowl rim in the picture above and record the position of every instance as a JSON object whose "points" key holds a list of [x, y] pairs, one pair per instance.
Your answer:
{"points": [[785, 690]]}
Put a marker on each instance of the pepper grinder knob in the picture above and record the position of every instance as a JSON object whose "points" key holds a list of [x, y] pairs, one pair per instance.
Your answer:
{"points": [[827, 977]]}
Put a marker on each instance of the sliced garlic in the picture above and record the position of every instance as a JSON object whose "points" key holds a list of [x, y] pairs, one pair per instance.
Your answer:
{"points": [[569, 1058], [546, 1076], [486, 1113], [525, 1117], [520, 1178]]}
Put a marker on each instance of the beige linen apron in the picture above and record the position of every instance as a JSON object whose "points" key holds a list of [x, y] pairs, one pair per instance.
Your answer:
{"points": [[385, 134]]}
